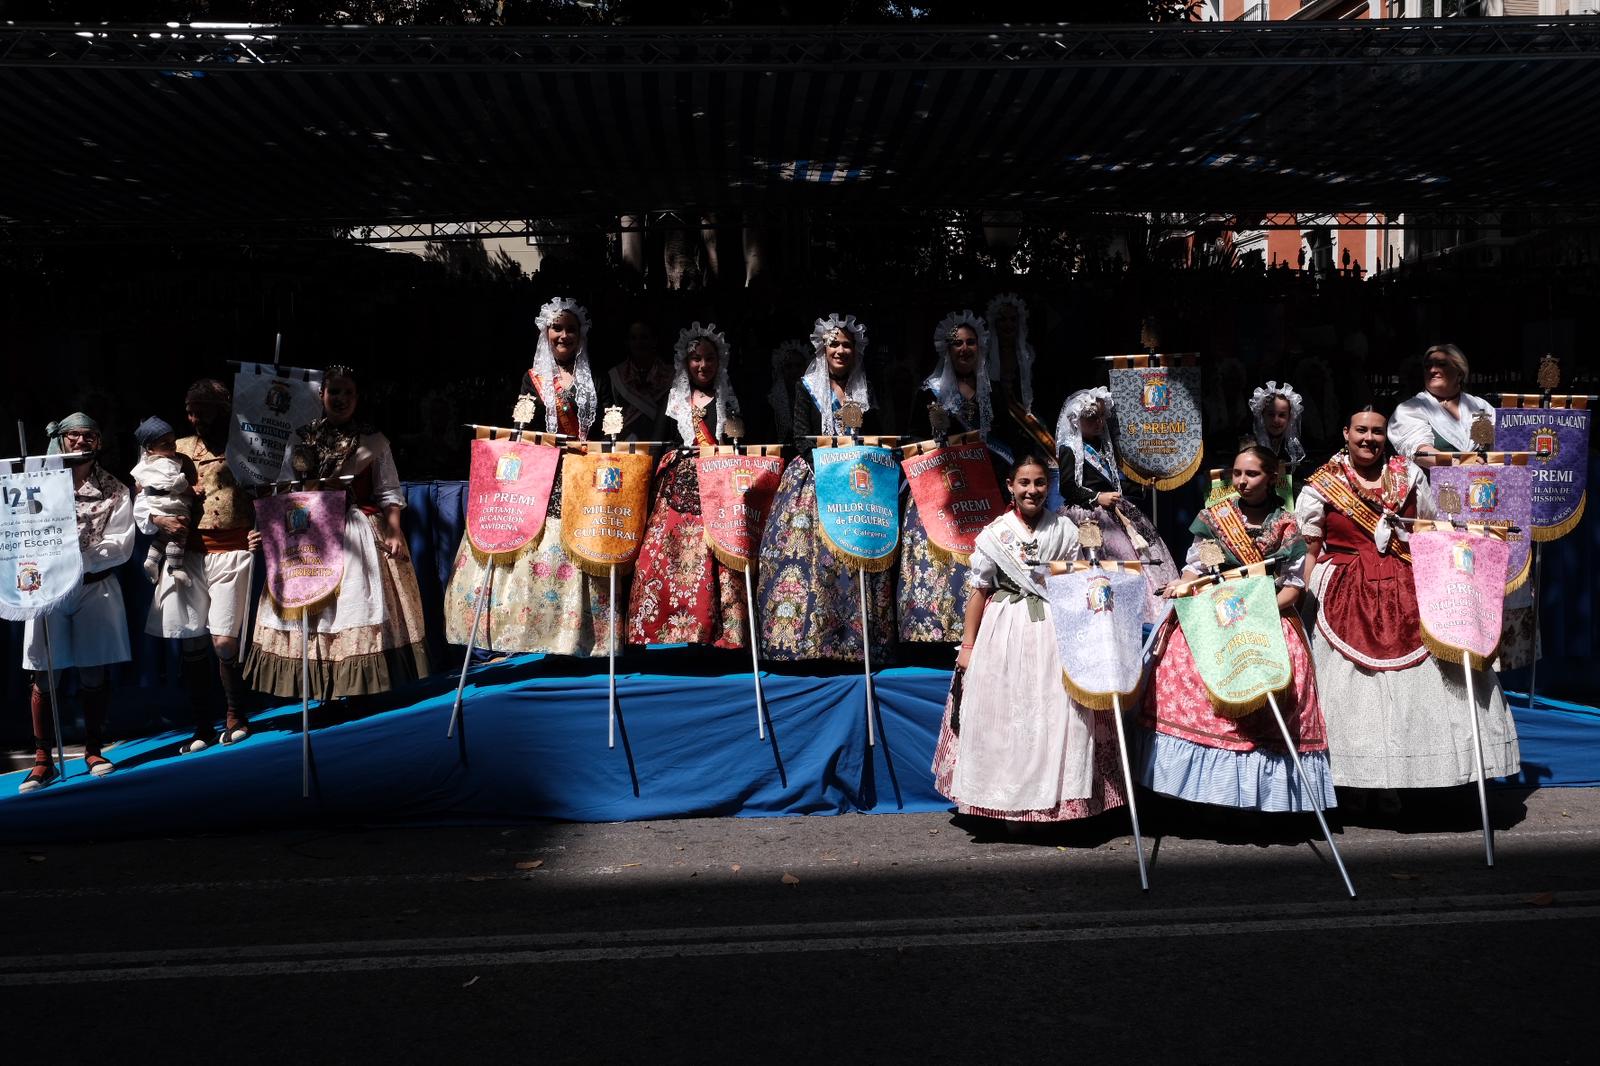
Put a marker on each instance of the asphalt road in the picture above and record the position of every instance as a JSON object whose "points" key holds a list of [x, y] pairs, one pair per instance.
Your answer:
{"points": [[852, 939]]}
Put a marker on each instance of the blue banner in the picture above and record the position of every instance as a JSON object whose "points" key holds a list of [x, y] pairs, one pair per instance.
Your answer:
{"points": [[858, 503]]}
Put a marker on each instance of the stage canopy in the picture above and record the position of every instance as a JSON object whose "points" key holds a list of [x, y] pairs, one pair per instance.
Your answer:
{"points": [[273, 129]]}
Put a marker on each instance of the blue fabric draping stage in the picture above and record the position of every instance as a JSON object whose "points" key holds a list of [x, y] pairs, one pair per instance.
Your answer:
{"points": [[534, 746]]}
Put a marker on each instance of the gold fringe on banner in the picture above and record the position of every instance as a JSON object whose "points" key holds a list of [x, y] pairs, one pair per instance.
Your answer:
{"points": [[1097, 701], [1449, 653], [871, 566], [1168, 483], [1229, 709], [1520, 578], [727, 558], [1542, 534], [292, 614]]}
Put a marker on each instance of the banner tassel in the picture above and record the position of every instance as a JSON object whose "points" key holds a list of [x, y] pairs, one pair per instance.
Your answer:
{"points": [[1477, 757], [1316, 801], [1127, 784], [755, 655], [866, 652], [486, 591]]}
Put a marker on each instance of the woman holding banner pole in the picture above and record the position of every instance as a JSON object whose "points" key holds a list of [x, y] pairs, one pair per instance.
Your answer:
{"points": [[811, 604], [682, 594], [1091, 490], [1014, 745], [89, 629], [1394, 712], [370, 638], [539, 600], [929, 593], [1191, 749]]}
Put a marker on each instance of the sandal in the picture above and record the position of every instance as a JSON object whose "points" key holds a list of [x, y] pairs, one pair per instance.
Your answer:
{"points": [[192, 745], [99, 765], [41, 775], [234, 735]]}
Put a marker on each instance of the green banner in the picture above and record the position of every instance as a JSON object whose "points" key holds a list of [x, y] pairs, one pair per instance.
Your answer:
{"points": [[1237, 641]]}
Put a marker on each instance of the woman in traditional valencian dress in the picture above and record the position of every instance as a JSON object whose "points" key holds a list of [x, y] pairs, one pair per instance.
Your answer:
{"points": [[1189, 749], [810, 600], [370, 638], [541, 600], [1091, 490], [1013, 744], [1275, 413], [682, 594], [1396, 715], [929, 594], [88, 628]]}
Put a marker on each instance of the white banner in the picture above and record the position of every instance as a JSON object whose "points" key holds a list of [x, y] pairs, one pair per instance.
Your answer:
{"points": [[39, 560], [268, 404]]}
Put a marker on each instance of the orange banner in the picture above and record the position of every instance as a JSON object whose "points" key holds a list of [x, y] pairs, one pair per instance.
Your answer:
{"points": [[604, 499]]}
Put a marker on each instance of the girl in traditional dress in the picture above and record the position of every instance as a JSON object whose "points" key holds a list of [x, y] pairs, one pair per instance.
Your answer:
{"points": [[370, 638], [1275, 412], [1190, 750], [1395, 714], [811, 603], [542, 601], [88, 628], [929, 594], [1013, 744], [1091, 490], [681, 593]]}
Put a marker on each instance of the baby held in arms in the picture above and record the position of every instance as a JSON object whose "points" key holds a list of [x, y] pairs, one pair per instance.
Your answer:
{"points": [[170, 486]]}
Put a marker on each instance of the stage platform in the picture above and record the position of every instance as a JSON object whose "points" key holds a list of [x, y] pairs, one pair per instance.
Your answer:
{"points": [[534, 746]]}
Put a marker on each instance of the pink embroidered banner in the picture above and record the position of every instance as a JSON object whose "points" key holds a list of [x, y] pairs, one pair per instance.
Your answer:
{"points": [[1461, 579], [302, 538], [508, 493]]}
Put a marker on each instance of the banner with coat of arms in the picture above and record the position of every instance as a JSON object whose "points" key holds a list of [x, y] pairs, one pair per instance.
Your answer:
{"points": [[40, 564], [858, 504], [1235, 635], [302, 541], [1099, 622], [508, 493], [955, 491], [604, 500], [1156, 421], [269, 402], [1558, 437], [736, 494], [1491, 492], [1459, 576]]}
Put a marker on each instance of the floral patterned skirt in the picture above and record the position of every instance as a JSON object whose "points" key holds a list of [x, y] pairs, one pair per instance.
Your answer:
{"points": [[932, 588], [810, 601], [540, 600], [682, 594]]}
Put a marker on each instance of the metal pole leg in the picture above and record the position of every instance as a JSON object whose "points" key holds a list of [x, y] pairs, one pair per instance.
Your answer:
{"points": [[611, 658], [1316, 800], [305, 706], [55, 703], [866, 653], [755, 654], [1477, 760], [1127, 783], [486, 589]]}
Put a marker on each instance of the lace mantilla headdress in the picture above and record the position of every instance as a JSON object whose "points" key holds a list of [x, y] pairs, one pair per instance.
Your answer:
{"points": [[544, 365], [816, 376], [1261, 399], [1024, 350], [1069, 433], [680, 407], [942, 382]]}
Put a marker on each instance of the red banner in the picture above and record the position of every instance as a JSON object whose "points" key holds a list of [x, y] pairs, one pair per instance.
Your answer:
{"points": [[955, 491], [509, 493], [736, 493]]}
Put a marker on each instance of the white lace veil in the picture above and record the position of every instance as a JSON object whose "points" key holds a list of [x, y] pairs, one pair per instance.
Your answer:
{"points": [[544, 365], [680, 408], [1070, 435], [816, 375], [942, 382], [1024, 350], [1261, 399]]}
